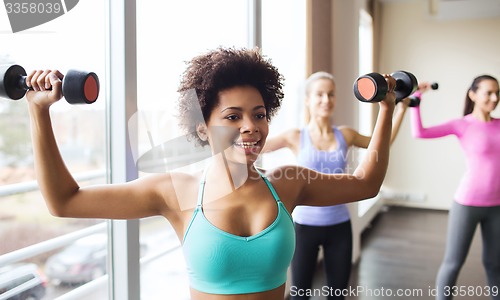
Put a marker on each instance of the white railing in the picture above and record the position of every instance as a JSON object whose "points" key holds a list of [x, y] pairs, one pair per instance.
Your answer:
{"points": [[30, 186], [43, 247], [82, 292], [64, 240], [49, 245]]}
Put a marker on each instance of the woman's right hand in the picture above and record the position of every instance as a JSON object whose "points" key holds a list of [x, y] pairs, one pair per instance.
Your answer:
{"points": [[424, 86], [45, 87], [390, 97]]}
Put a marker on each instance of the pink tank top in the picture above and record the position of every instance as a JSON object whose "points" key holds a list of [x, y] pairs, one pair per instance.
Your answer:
{"points": [[480, 141]]}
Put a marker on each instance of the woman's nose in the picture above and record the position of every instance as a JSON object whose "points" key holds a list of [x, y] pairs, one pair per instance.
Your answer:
{"points": [[495, 98], [248, 126], [326, 98]]}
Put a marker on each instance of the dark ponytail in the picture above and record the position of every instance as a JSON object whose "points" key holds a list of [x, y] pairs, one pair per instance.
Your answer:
{"points": [[469, 104]]}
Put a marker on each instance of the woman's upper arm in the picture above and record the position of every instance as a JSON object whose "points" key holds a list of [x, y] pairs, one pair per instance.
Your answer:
{"points": [[303, 186], [287, 139], [354, 138], [143, 197], [335, 189]]}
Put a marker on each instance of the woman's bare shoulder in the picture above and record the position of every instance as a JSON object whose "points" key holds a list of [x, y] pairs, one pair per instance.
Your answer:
{"points": [[178, 189], [288, 182], [288, 176]]}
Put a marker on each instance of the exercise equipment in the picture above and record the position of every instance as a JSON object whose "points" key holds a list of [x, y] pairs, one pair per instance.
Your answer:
{"points": [[373, 87], [78, 87], [415, 100]]}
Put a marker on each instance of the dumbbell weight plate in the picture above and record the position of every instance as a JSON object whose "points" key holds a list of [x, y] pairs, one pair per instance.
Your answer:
{"points": [[371, 87], [10, 83], [414, 101], [406, 84], [80, 87]]}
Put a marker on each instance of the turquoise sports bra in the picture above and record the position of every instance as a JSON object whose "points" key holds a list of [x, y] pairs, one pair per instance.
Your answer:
{"points": [[219, 262]]}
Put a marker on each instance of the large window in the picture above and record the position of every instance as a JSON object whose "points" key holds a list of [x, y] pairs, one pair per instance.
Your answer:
{"points": [[63, 44], [168, 34], [284, 41], [366, 118]]}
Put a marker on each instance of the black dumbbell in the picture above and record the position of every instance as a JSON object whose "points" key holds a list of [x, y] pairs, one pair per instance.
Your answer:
{"points": [[373, 87], [78, 87], [415, 101]]}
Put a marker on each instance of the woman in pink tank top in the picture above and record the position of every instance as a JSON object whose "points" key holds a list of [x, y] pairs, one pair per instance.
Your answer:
{"points": [[477, 199]]}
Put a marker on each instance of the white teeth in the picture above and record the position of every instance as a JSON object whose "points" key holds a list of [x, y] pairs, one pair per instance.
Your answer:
{"points": [[246, 144]]}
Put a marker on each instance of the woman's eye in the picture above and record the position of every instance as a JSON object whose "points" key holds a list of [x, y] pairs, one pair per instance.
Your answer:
{"points": [[232, 117], [261, 116]]}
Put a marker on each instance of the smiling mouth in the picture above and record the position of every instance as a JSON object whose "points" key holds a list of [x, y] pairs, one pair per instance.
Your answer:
{"points": [[246, 145], [326, 109]]}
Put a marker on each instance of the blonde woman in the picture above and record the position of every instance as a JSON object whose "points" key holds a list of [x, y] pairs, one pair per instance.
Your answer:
{"points": [[323, 146]]}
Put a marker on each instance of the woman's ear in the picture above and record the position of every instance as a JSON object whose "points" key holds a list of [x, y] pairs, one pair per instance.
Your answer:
{"points": [[472, 95], [307, 101], [201, 130], [307, 113]]}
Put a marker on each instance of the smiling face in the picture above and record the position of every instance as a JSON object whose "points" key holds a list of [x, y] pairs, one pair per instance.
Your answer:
{"points": [[321, 98], [486, 96], [238, 125]]}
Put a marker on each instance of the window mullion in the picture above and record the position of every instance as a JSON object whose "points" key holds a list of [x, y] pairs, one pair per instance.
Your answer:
{"points": [[122, 74]]}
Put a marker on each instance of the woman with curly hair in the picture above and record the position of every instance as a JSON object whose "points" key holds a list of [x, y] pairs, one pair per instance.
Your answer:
{"points": [[232, 219]]}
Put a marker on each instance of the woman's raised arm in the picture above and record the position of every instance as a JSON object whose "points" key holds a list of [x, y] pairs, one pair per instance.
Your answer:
{"points": [[329, 189], [63, 195]]}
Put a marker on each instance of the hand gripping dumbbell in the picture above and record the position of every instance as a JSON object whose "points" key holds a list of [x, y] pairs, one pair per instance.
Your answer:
{"points": [[373, 87], [78, 87], [415, 99]]}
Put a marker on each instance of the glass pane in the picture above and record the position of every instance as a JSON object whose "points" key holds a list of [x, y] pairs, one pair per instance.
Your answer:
{"points": [[284, 41], [168, 36], [366, 119], [75, 40]]}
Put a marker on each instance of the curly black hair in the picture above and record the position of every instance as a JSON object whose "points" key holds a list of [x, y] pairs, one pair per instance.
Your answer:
{"points": [[221, 69]]}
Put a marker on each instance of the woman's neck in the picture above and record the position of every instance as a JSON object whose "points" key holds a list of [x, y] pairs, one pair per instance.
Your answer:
{"points": [[323, 126], [229, 173], [481, 116]]}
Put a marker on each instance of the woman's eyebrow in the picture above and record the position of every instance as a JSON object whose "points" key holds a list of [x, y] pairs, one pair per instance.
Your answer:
{"points": [[241, 109], [231, 108]]}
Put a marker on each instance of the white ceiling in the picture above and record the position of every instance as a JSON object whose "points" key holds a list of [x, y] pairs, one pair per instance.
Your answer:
{"points": [[459, 9]]}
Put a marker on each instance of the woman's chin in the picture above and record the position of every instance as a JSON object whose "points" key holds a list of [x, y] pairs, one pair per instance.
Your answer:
{"points": [[241, 155]]}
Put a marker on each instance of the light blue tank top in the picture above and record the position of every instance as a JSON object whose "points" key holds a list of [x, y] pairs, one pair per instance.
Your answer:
{"points": [[325, 162], [219, 262]]}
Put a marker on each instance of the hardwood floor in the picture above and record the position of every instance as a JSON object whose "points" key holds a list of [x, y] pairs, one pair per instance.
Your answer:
{"points": [[403, 250]]}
